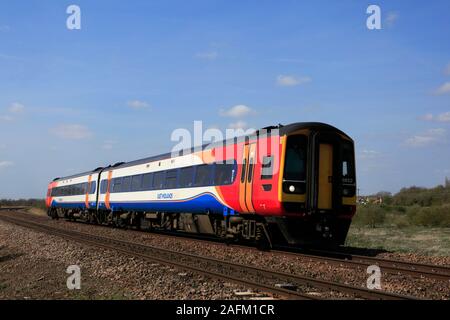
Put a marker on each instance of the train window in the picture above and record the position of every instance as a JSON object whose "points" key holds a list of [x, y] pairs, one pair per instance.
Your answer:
{"points": [[224, 174], [171, 179], [203, 175], [147, 181], [82, 188], [117, 185], [267, 168], [93, 187], [158, 180], [103, 186], [186, 177], [251, 166], [136, 183], [348, 166], [126, 184], [244, 169], [295, 165]]}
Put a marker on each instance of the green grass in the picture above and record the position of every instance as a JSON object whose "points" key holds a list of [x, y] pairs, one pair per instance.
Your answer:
{"points": [[413, 239]]}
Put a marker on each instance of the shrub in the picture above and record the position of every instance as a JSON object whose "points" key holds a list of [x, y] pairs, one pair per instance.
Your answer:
{"points": [[370, 216], [437, 216]]}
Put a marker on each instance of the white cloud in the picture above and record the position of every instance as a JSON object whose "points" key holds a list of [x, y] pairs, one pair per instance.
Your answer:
{"points": [[238, 125], [4, 164], [137, 104], [445, 88], [237, 111], [391, 18], [209, 55], [5, 118], [290, 81], [368, 154], [71, 131], [429, 137], [16, 107], [108, 144], [443, 117]]}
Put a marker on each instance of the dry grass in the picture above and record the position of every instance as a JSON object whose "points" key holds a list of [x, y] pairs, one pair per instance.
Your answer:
{"points": [[421, 240]]}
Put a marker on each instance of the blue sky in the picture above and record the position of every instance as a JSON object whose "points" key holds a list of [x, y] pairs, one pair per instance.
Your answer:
{"points": [[72, 100]]}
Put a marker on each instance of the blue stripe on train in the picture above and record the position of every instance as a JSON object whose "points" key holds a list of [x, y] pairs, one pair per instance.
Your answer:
{"points": [[69, 205], [202, 204]]}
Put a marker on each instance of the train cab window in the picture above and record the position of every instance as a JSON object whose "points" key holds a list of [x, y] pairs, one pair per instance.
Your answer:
{"points": [[136, 183], [295, 165], [267, 168], [158, 180], [203, 175], [147, 181], [171, 179], [126, 184], [348, 170], [186, 177], [117, 185], [224, 174]]}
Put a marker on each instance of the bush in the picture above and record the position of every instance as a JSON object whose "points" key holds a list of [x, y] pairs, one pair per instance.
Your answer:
{"points": [[437, 216], [370, 216]]}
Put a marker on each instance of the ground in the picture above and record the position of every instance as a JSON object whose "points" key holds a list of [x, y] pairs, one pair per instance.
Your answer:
{"points": [[420, 240]]}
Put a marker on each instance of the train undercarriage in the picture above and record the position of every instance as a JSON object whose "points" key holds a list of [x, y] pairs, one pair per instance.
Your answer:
{"points": [[253, 229]]}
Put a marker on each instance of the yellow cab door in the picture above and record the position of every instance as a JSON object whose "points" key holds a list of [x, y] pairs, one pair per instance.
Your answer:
{"points": [[325, 177]]}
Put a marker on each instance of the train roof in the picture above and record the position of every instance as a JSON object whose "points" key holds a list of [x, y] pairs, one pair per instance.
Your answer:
{"points": [[283, 130]]}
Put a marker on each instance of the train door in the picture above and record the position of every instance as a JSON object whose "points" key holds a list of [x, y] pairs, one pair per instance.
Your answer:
{"points": [[325, 177], [325, 172], [246, 182]]}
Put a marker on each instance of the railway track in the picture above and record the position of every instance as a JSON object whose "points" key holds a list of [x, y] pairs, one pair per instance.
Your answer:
{"points": [[386, 265], [339, 258], [262, 279]]}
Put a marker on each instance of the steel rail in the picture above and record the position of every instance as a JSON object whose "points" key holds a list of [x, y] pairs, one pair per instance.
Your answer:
{"points": [[200, 264]]}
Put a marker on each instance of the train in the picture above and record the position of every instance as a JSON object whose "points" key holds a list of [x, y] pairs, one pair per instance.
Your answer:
{"points": [[292, 185]]}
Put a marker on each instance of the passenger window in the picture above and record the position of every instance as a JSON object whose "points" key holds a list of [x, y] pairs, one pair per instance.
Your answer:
{"points": [[224, 174], [93, 187], [136, 183], [186, 177], [117, 185], [171, 179], [103, 186], [83, 188], [126, 184], [147, 181], [203, 175], [267, 168], [158, 180]]}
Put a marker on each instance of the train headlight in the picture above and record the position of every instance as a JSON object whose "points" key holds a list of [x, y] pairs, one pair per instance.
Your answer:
{"points": [[291, 188]]}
